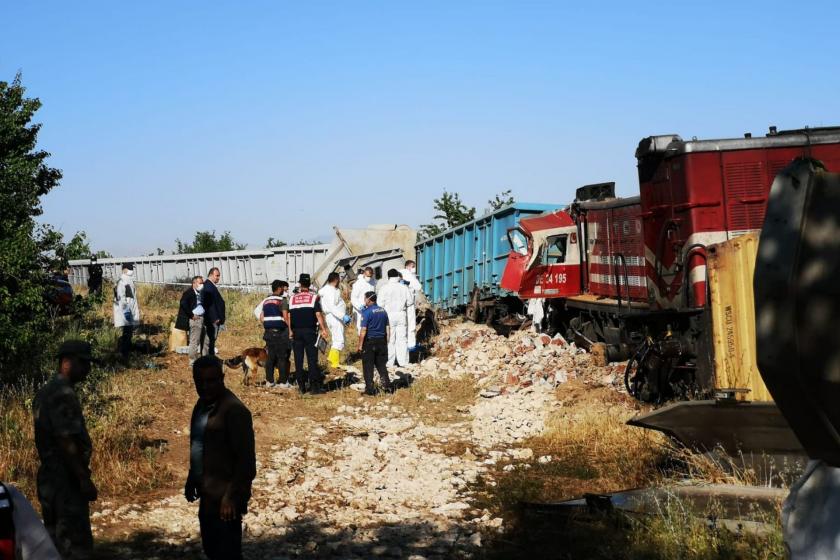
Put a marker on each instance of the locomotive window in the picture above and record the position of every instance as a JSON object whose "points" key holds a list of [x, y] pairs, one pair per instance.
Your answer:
{"points": [[555, 250], [518, 241]]}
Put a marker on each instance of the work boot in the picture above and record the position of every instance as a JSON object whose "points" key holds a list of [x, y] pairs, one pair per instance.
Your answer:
{"points": [[317, 389], [334, 357]]}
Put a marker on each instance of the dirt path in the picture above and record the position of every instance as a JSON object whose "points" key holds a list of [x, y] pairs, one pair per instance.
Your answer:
{"points": [[347, 476]]}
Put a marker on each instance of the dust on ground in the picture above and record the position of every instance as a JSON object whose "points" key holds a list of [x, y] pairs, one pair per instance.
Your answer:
{"points": [[343, 475]]}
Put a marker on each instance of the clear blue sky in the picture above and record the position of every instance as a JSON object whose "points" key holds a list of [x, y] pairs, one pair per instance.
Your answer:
{"points": [[282, 119]]}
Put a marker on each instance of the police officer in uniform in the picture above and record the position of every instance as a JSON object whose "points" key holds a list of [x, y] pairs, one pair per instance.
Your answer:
{"points": [[306, 319], [64, 448], [373, 344], [274, 315]]}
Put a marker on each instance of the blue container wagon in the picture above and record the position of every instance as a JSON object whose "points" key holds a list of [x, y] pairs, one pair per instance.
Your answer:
{"points": [[466, 263]]}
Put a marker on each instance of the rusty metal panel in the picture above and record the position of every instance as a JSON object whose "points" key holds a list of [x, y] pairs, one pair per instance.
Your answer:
{"points": [[730, 267]]}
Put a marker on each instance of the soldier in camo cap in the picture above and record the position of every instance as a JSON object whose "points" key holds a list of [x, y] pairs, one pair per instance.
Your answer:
{"points": [[64, 448]]}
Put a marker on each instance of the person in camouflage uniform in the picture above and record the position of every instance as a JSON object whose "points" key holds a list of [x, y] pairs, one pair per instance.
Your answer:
{"points": [[64, 448]]}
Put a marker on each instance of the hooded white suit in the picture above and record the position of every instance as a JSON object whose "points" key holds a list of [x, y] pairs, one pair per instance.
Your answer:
{"points": [[357, 297], [398, 302], [125, 300], [415, 288], [334, 311]]}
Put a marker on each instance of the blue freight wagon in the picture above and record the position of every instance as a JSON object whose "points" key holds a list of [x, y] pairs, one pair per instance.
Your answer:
{"points": [[453, 264]]}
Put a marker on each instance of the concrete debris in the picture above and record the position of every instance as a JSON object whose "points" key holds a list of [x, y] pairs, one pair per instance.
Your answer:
{"points": [[508, 364]]}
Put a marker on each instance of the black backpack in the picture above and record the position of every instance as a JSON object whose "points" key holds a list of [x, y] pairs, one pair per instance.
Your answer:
{"points": [[7, 525]]}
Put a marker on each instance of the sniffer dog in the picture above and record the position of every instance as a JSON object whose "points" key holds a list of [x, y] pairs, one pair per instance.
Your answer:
{"points": [[250, 360]]}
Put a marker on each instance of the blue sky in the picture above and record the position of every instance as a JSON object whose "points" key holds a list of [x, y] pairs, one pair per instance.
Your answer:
{"points": [[283, 119]]}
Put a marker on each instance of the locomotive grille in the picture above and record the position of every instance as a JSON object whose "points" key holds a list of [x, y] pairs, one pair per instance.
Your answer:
{"points": [[745, 184]]}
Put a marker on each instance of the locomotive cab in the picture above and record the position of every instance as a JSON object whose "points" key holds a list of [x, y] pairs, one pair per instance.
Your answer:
{"points": [[544, 261]]}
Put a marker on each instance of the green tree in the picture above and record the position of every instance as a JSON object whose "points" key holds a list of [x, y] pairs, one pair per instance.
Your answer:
{"points": [[27, 250], [79, 248], [451, 212], [504, 198], [271, 243], [207, 242]]}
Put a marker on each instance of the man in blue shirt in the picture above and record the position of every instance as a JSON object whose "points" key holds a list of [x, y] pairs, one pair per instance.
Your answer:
{"points": [[373, 343]]}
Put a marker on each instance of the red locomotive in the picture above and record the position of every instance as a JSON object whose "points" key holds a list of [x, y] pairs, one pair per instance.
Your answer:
{"points": [[630, 272]]}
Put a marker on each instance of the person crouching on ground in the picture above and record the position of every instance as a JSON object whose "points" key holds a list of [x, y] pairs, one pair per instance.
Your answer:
{"points": [[223, 461], [373, 344], [126, 308]]}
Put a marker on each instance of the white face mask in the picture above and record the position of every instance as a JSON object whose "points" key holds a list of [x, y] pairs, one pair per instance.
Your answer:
{"points": [[411, 269], [199, 287], [129, 272], [368, 278]]}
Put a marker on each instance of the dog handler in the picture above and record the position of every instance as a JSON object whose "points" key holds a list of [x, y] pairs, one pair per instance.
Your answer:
{"points": [[335, 311], [274, 315]]}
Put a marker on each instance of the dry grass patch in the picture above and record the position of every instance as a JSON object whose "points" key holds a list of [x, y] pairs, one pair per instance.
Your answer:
{"points": [[18, 457], [437, 400], [591, 449]]}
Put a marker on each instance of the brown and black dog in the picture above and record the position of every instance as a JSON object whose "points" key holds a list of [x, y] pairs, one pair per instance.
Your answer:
{"points": [[249, 359]]}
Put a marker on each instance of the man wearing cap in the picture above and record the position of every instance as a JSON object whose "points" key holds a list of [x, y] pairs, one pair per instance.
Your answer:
{"points": [[126, 309], [305, 320], [373, 344], [273, 313], [64, 448]]}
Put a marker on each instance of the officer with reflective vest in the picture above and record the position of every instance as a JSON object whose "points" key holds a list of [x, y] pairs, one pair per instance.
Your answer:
{"points": [[273, 313], [306, 320]]}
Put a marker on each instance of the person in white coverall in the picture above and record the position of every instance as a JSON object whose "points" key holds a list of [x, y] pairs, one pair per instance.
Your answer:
{"points": [[409, 276], [364, 283], [126, 309], [335, 311], [398, 302]]}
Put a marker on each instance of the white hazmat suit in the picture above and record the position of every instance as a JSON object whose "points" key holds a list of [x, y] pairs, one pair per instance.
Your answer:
{"points": [[126, 308], [357, 297], [415, 288], [334, 311], [398, 302]]}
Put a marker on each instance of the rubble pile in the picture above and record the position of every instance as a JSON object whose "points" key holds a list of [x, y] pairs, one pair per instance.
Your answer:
{"points": [[503, 364]]}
